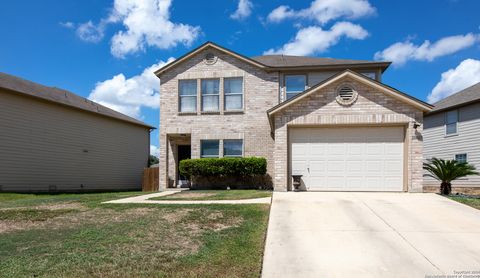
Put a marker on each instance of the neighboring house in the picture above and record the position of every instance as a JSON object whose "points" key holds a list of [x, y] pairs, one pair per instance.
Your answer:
{"points": [[54, 140], [332, 121], [452, 131]]}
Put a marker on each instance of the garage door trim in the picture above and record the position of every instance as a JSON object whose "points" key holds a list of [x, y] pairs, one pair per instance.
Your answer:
{"points": [[405, 155]]}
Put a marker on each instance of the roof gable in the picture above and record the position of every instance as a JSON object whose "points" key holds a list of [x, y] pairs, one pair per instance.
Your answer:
{"points": [[423, 106], [203, 47]]}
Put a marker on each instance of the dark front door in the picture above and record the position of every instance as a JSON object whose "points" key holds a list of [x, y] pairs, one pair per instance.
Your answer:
{"points": [[184, 152]]}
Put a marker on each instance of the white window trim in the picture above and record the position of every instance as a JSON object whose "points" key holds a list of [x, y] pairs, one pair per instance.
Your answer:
{"points": [[466, 160], [202, 95], [234, 94], [243, 148], [446, 124], [187, 96]]}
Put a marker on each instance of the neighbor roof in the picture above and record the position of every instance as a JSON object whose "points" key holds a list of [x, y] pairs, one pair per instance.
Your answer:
{"points": [[465, 96], [62, 97], [280, 62], [287, 61]]}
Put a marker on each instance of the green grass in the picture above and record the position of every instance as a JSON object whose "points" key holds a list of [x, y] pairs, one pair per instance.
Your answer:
{"points": [[474, 202], [216, 195], [73, 235]]}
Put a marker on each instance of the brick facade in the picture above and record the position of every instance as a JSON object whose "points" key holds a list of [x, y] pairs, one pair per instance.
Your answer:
{"points": [[251, 125]]}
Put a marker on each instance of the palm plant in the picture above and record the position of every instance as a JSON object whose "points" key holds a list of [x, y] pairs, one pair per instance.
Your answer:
{"points": [[446, 171]]}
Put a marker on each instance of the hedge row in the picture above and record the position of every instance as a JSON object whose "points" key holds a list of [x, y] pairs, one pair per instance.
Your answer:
{"points": [[227, 166]]}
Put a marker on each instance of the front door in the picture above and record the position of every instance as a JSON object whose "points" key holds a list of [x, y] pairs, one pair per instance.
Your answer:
{"points": [[184, 152]]}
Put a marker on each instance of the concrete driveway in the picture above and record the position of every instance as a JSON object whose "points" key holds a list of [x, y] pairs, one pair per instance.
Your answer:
{"points": [[320, 234]]}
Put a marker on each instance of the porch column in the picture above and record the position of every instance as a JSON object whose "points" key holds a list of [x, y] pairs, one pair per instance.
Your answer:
{"points": [[163, 163]]}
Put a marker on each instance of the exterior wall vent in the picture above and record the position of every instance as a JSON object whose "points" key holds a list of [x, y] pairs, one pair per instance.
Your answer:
{"points": [[210, 58], [346, 95]]}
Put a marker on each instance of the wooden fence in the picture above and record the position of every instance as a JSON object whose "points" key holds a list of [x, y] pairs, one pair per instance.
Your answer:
{"points": [[150, 179]]}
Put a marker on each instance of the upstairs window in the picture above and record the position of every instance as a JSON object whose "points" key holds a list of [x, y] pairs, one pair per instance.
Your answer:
{"points": [[371, 75], [451, 120], [233, 91], [294, 84], [187, 95], [232, 147], [210, 95], [209, 148]]}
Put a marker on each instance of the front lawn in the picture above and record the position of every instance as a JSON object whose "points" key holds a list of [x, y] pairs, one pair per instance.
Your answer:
{"points": [[216, 195], [74, 235], [474, 202]]}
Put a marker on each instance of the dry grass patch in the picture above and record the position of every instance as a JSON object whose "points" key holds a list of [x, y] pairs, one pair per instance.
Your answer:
{"points": [[126, 240]]}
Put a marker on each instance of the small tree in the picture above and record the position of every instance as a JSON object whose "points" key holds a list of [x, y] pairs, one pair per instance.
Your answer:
{"points": [[447, 171], [152, 160]]}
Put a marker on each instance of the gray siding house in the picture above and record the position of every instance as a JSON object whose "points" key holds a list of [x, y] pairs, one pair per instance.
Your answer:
{"points": [[452, 131], [331, 120], [52, 140]]}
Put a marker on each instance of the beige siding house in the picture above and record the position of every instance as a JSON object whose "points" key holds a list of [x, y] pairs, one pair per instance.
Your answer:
{"points": [[452, 131], [52, 140], [330, 120]]}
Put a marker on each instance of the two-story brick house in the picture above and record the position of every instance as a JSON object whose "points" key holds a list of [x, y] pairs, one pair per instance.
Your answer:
{"points": [[331, 120]]}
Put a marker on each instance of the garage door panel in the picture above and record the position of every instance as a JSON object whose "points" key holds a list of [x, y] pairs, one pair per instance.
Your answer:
{"points": [[354, 167], [317, 149], [355, 148], [393, 149], [318, 167], [335, 182], [393, 167], [374, 166], [336, 166], [349, 159], [335, 149], [375, 149]]}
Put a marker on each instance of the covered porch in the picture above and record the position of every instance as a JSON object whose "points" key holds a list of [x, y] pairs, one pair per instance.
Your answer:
{"points": [[177, 147]]}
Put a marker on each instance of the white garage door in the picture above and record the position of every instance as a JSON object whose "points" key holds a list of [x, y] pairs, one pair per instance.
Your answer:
{"points": [[348, 159]]}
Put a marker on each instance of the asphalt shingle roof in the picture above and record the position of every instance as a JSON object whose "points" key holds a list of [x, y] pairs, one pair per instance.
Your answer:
{"points": [[299, 61], [468, 95], [61, 96]]}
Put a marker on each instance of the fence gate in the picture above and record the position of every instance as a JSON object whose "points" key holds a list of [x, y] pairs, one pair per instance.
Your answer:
{"points": [[150, 179]]}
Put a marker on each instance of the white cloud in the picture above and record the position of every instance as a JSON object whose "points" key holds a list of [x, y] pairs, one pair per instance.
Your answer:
{"points": [[314, 39], [466, 74], [129, 95], [324, 11], [147, 24], [67, 24], [402, 52], [244, 10], [154, 150], [91, 32]]}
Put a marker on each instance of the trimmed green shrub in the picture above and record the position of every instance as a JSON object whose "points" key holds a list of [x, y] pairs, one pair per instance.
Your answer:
{"points": [[221, 167]]}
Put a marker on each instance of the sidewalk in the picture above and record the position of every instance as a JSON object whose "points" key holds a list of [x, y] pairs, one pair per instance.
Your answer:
{"points": [[143, 199]]}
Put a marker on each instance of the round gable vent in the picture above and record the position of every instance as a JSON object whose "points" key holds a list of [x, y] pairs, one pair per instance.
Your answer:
{"points": [[210, 58], [346, 95]]}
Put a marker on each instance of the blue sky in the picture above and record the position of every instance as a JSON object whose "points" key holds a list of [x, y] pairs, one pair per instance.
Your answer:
{"points": [[106, 50]]}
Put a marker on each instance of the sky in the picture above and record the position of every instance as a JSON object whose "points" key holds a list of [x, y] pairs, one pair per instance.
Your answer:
{"points": [[107, 50]]}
